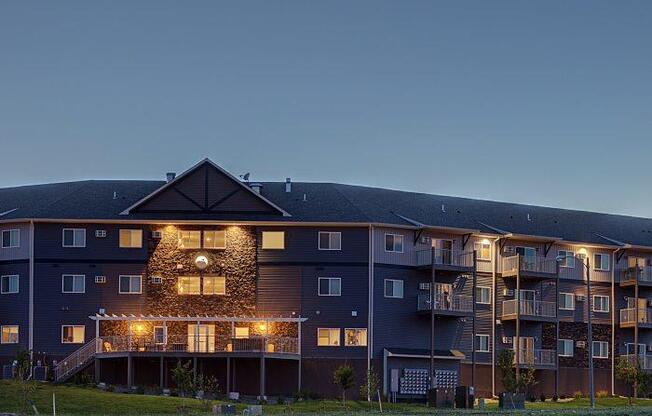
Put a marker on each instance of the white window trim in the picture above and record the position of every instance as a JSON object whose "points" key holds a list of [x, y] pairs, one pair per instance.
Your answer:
{"points": [[478, 343], [17, 335], [203, 241], [83, 276], [385, 286], [63, 240], [262, 242], [567, 258], [339, 340], [17, 284], [2, 238], [73, 326], [165, 334], [593, 303], [193, 277], [600, 269], [394, 245], [478, 298], [319, 279], [366, 342], [130, 231], [130, 276], [572, 296], [480, 243], [600, 356], [189, 231], [329, 233], [561, 354], [212, 277]]}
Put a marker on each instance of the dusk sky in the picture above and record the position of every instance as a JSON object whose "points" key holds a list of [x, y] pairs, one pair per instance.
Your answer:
{"points": [[545, 103]]}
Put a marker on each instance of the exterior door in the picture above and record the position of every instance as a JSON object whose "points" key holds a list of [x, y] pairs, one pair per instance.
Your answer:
{"points": [[201, 338], [528, 301], [443, 292], [444, 251], [526, 347], [528, 257]]}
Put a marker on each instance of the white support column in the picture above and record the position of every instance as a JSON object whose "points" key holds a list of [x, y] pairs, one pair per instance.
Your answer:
{"points": [[129, 336], [299, 351]]}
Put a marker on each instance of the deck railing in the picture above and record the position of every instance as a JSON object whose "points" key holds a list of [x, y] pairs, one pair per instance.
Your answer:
{"points": [[628, 316], [444, 257], [443, 302], [535, 357], [644, 360], [535, 264], [530, 308], [630, 273], [75, 360]]}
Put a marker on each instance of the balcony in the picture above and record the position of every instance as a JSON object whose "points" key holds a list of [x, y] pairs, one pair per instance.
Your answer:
{"points": [[627, 277], [530, 266], [532, 310], [644, 360], [536, 358], [628, 318], [452, 260], [446, 305]]}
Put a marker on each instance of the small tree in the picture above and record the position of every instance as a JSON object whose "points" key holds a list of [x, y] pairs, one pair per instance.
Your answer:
{"points": [[630, 373], [26, 388], [210, 388], [344, 378], [505, 363], [182, 376], [370, 386]]}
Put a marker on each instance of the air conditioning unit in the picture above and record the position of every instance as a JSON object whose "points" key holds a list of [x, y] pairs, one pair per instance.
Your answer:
{"points": [[580, 344], [507, 340], [157, 280], [426, 240], [510, 250], [100, 233], [424, 286], [649, 348], [100, 279], [580, 298], [157, 234], [508, 292]]}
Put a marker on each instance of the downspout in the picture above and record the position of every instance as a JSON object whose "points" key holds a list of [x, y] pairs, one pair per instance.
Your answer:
{"points": [[370, 312], [30, 318], [494, 271], [613, 321]]}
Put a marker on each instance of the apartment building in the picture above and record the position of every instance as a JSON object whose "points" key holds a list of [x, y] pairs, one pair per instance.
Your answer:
{"points": [[271, 286]]}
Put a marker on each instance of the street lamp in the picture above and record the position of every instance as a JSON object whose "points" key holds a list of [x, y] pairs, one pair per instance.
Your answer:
{"points": [[590, 326]]}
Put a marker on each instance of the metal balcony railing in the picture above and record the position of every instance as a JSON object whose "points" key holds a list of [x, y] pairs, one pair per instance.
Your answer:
{"points": [[628, 316], [644, 360], [535, 357], [443, 257], [535, 264], [452, 303], [76, 360], [630, 273], [530, 308]]}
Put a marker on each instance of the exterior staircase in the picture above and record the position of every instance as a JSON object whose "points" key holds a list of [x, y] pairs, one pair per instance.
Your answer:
{"points": [[75, 362]]}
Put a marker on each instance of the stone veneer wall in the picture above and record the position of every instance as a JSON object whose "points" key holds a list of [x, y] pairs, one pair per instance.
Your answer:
{"points": [[577, 331]]}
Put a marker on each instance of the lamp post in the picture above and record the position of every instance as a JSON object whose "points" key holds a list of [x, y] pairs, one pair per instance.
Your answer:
{"points": [[587, 266]]}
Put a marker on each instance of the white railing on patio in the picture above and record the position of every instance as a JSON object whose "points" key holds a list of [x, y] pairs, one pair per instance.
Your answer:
{"points": [[536, 357], [535, 264], [530, 308], [74, 361], [630, 273], [443, 302], [628, 316], [443, 257]]}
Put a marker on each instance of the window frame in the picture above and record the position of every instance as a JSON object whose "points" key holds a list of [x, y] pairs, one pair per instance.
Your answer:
{"points": [[2, 327], [10, 231], [319, 279], [73, 333], [602, 255], [17, 276], [73, 245], [564, 263], [203, 239], [477, 298], [130, 276], [165, 334], [366, 337], [74, 279], [131, 231], [572, 348], [402, 238], [180, 239], [393, 281], [593, 303], [572, 296], [262, 238], [330, 330], [330, 234], [479, 256], [241, 336], [477, 345], [213, 277], [191, 284], [600, 356]]}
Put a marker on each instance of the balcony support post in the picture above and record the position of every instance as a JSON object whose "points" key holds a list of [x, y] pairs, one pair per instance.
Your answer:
{"points": [[228, 375], [130, 370], [97, 370], [161, 373], [299, 351], [432, 319], [262, 377], [590, 334], [636, 317], [557, 329], [517, 346], [473, 299]]}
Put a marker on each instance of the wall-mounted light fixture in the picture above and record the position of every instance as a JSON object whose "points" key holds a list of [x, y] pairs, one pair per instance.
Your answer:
{"points": [[201, 262]]}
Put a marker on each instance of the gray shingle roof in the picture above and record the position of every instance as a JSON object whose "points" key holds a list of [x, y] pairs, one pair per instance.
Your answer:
{"points": [[328, 202]]}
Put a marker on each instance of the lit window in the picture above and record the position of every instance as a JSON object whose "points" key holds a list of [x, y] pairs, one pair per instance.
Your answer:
{"points": [[483, 295], [74, 237], [273, 240], [482, 343], [566, 258], [190, 239], [567, 301], [130, 284], [565, 347], [483, 250], [328, 337], [600, 303], [9, 284], [330, 286], [72, 334], [10, 334], [393, 288], [214, 285], [73, 283], [131, 238], [215, 239], [601, 262], [600, 349], [394, 243], [10, 238], [241, 332], [160, 335], [189, 285], [329, 240], [355, 337]]}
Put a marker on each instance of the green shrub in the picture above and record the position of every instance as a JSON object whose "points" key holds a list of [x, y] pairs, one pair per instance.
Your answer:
{"points": [[542, 397], [578, 395], [602, 394]]}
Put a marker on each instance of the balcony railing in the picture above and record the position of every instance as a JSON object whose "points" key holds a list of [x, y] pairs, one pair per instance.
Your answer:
{"points": [[644, 360], [443, 257], [535, 357], [452, 303], [628, 316], [198, 344], [536, 264], [530, 308], [629, 274]]}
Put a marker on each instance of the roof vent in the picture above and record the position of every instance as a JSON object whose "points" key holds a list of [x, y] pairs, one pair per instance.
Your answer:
{"points": [[443, 208], [305, 197], [170, 176], [256, 186], [288, 185], [115, 194], [529, 218]]}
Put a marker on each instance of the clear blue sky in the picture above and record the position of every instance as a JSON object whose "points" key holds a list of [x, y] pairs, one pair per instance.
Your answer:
{"points": [[546, 102]]}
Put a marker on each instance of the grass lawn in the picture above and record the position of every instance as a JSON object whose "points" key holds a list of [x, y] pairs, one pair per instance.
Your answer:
{"points": [[72, 400]]}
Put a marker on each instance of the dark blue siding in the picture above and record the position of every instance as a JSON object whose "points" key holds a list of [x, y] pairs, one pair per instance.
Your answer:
{"points": [[14, 309]]}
